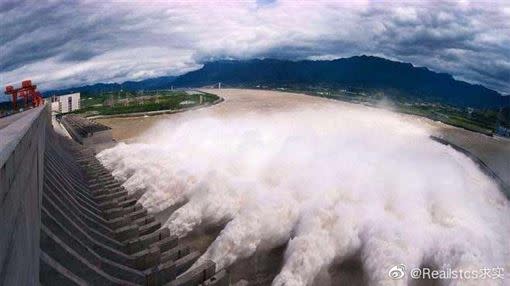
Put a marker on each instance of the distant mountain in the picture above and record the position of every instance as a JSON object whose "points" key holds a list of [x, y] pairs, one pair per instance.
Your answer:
{"points": [[365, 73], [359, 72], [164, 82]]}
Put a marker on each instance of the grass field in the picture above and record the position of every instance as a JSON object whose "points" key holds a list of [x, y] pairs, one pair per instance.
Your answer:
{"points": [[128, 102], [478, 120]]}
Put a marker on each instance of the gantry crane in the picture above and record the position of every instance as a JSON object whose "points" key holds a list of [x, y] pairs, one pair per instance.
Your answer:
{"points": [[27, 91]]}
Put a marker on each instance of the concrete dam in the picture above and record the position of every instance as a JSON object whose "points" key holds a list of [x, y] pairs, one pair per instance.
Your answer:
{"points": [[311, 207], [66, 221]]}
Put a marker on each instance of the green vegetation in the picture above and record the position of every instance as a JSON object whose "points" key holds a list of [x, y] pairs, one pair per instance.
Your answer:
{"points": [[124, 102], [478, 120], [484, 121]]}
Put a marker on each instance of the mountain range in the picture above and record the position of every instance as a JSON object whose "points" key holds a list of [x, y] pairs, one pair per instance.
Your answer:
{"points": [[366, 73], [163, 82]]}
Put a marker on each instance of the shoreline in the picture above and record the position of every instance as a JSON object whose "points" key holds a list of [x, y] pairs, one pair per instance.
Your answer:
{"points": [[494, 152], [481, 164], [155, 112]]}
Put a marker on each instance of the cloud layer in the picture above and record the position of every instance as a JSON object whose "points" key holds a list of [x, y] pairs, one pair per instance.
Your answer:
{"points": [[63, 43]]}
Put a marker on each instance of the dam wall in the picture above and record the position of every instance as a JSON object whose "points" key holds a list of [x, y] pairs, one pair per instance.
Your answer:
{"points": [[86, 132], [22, 145], [64, 219], [95, 232], [505, 188]]}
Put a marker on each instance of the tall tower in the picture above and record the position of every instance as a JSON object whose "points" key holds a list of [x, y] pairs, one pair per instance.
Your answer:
{"points": [[219, 85]]}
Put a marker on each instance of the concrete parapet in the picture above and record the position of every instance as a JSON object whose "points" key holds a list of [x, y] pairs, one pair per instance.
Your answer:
{"points": [[21, 181], [63, 215]]}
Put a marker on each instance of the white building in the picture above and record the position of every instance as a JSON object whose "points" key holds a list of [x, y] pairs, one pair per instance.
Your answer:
{"points": [[65, 103]]}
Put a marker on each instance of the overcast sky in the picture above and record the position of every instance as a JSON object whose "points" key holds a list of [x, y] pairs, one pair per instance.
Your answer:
{"points": [[66, 43]]}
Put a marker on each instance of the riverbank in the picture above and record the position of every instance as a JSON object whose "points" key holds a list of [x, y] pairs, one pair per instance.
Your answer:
{"points": [[493, 151], [156, 112]]}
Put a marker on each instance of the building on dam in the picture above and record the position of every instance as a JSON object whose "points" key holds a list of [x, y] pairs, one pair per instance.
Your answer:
{"points": [[65, 103]]}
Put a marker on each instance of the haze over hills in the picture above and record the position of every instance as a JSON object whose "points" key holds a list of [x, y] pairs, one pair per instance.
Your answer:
{"points": [[366, 73], [146, 84]]}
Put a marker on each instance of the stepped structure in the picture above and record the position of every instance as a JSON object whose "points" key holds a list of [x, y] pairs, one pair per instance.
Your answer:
{"points": [[86, 132], [90, 230]]}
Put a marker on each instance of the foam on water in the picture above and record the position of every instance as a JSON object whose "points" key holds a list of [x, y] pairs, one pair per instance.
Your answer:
{"points": [[329, 181]]}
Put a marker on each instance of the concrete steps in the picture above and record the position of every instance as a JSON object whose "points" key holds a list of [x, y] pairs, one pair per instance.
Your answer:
{"points": [[95, 233]]}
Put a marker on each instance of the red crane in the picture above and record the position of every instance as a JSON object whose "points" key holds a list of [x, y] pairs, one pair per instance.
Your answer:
{"points": [[27, 91]]}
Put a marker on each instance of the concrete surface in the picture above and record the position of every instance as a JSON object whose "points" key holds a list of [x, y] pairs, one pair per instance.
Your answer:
{"points": [[64, 220], [86, 132], [21, 181], [94, 232]]}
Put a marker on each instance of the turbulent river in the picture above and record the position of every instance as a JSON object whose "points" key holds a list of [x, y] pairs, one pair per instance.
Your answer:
{"points": [[329, 180]]}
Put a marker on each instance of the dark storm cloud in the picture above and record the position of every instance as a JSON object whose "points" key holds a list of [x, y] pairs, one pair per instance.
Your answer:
{"points": [[38, 31], [62, 43], [472, 44]]}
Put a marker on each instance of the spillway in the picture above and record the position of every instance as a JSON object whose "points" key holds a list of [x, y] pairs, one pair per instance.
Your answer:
{"points": [[69, 222]]}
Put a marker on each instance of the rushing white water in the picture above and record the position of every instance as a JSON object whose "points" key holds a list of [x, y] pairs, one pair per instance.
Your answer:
{"points": [[331, 182]]}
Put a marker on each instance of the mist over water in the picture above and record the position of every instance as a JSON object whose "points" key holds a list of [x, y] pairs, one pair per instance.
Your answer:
{"points": [[331, 182]]}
